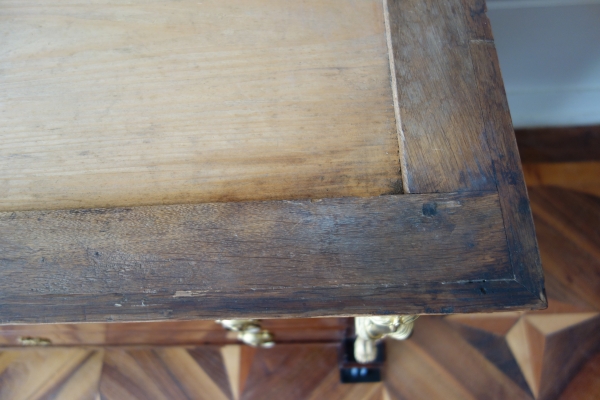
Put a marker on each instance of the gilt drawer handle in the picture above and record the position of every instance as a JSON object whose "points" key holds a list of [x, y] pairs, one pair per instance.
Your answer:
{"points": [[33, 341], [249, 331], [369, 330]]}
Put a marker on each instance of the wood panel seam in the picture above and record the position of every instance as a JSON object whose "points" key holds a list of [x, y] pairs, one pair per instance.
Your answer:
{"points": [[394, 83]]}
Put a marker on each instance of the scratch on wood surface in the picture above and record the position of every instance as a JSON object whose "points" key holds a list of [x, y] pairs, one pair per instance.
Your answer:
{"points": [[449, 204], [190, 293]]}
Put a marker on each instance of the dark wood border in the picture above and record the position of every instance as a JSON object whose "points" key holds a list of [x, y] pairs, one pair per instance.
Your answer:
{"points": [[452, 42], [435, 253], [471, 247]]}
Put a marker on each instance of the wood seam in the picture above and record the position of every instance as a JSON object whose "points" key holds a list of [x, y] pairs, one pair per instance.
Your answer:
{"points": [[394, 83]]}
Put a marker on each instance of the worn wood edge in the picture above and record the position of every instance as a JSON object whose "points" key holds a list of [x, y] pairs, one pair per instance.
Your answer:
{"points": [[394, 83], [499, 133], [486, 290], [473, 30], [478, 24], [455, 297]]}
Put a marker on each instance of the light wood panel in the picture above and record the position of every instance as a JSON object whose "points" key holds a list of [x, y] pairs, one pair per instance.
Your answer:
{"points": [[106, 103]]}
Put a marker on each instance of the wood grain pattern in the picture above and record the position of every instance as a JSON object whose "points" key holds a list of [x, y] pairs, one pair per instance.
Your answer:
{"points": [[561, 144], [106, 104], [441, 123], [421, 253], [456, 357], [50, 373], [578, 176], [540, 359], [304, 258], [174, 333], [445, 60], [567, 226], [558, 365], [475, 377], [443, 359], [516, 211], [170, 373], [273, 373], [586, 385]]}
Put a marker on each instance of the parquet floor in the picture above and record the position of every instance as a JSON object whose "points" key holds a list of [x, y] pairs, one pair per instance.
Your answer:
{"points": [[545, 355]]}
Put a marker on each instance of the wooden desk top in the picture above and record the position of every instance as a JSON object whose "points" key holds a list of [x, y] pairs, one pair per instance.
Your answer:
{"points": [[183, 160], [115, 104]]}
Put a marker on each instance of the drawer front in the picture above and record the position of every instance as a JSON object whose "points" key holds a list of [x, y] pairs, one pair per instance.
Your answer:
{"points": [[168, 333]]}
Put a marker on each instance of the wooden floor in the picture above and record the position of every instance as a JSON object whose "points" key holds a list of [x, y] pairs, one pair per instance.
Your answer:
{"points": [[551, 354]]}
